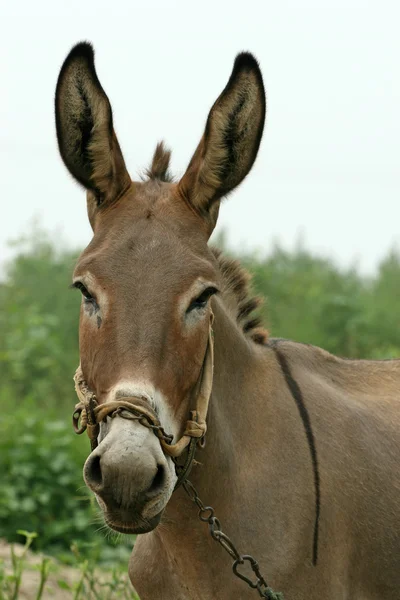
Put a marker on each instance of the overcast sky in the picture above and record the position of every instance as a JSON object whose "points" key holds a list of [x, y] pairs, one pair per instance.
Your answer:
{"points": [[328, 168]]}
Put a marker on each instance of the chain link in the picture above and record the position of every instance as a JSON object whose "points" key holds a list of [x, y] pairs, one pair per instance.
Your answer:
{"points": [[206, 514], [157, 429], [143, 419]]}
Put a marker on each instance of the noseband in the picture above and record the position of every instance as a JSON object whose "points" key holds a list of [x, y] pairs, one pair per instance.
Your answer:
{"points": [[88, 414]]}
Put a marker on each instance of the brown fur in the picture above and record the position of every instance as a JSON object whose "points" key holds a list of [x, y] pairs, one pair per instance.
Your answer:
{"points": [[301, 461]]}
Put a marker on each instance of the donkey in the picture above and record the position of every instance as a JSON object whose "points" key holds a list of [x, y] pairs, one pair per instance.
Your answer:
{"points": [[302, 448]]}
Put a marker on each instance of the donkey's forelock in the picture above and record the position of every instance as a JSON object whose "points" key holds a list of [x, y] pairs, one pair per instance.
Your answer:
{"points": [[159, 168]]}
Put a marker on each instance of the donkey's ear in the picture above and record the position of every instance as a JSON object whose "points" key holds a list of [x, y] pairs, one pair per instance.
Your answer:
{"points": [[86, 138], [230, 141]]}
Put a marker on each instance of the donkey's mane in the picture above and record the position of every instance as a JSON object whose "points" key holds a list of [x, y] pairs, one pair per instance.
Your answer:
{"points": [[238, 299]]}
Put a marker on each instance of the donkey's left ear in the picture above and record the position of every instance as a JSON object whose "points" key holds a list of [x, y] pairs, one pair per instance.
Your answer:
{"points": [[85, 133], [230, 141]]}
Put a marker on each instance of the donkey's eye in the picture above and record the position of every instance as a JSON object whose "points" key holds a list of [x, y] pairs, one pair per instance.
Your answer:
{"points": [[201, 301], [84, 291]]}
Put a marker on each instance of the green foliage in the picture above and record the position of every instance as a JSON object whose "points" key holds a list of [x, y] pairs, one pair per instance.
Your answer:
{"points": [[310, 300], [38, 323], [41, 470]]}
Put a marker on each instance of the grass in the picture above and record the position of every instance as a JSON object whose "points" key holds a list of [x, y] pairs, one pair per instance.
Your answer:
{"points": [[37, 577]]}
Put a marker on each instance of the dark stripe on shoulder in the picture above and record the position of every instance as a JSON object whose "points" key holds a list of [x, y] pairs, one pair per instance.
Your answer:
{"points": [[305, 417]]}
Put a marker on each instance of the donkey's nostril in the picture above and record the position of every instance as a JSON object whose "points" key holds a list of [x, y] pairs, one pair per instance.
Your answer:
{"points": [[93, 471], [158, 480]]}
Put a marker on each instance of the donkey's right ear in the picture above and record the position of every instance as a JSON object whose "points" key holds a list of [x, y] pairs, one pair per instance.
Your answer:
{"points": [[86, 138]]}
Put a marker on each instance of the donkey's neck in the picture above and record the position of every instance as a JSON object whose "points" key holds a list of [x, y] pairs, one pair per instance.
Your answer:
{"points": [[232, 402], [240, 399]]}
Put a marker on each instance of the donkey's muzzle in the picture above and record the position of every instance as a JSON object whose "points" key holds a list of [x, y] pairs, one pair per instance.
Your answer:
{"points": [[97, 473], [130, 476]]}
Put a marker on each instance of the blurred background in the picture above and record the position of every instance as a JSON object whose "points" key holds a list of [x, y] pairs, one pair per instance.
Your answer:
{"points": [[316, 222]]}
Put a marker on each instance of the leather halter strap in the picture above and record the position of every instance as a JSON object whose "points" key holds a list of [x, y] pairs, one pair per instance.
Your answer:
{"points": [[88, 413]]}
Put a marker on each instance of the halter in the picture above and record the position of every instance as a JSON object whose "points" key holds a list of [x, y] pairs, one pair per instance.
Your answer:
{"points": [[88, 414]]}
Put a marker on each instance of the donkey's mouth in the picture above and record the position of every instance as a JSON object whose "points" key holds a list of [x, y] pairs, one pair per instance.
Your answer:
{"points": [[141, 525]]}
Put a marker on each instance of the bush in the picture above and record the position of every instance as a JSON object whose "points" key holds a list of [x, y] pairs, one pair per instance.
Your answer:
{"points": [[42, 487], [39, 324], [41, 473]]}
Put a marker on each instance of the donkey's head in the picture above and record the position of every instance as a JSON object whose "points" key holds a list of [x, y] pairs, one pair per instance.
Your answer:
{"points": [[147, 276]]}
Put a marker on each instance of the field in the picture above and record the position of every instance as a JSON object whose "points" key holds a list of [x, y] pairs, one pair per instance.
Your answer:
{"points": [[25, 575]]}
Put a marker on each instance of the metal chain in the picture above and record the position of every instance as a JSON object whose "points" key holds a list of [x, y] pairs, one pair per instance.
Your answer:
{"points": [[143, 419], [206, 514]]}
